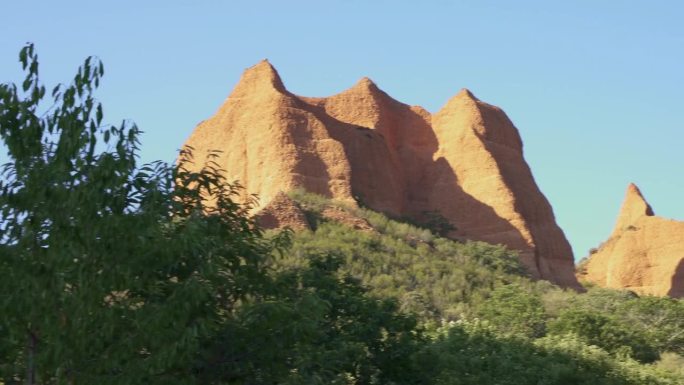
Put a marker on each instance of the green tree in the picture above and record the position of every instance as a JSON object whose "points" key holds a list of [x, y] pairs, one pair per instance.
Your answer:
{"points": [[474, 353], [112, 274], [514, 310], [437, 223], [317, 327], [605, 332], [662, 319]]}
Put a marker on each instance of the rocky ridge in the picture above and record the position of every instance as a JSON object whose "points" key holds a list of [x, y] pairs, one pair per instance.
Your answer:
{"points": [[464, 162]]}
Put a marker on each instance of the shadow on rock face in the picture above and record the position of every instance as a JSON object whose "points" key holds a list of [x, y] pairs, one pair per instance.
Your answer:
{"points": [[677, 287]]}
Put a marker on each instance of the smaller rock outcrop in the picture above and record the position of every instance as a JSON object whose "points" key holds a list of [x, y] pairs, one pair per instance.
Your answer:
{"points": [[346, 218], [645, 253], [282, 212]]}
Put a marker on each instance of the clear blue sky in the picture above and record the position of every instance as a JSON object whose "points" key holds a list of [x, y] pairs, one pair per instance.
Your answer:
{"points": [[596, 88]]}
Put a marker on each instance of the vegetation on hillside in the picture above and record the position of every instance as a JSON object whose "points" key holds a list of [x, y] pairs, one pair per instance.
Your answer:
{"points": [[430, 276], [474, 283], [119, 273]]}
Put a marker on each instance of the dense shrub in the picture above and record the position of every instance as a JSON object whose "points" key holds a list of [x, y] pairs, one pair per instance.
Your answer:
{"points": [[514, 310], [606, 332], [474, 353]]}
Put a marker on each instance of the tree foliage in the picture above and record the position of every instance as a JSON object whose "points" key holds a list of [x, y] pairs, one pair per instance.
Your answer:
{"points": [[472, 352], [606, 332], [514, 310], [318, 327], [662, 319], [112, 273]]}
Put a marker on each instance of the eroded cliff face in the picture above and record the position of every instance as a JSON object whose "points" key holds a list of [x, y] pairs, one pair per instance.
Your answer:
{"points": [[645, 253], [465, 161]]}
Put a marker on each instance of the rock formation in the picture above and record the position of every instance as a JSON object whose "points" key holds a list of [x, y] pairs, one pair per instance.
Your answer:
{"points": [[283, 211], [280, 212], [464, 162], [346, 218], [645, 253]]}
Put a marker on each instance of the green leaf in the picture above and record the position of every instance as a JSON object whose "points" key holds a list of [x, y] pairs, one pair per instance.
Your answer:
{"points": [[23, 56], [98, 114]]}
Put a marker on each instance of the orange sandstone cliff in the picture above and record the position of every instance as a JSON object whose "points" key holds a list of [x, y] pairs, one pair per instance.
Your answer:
{"points": [[465, 162], [645, 253]]}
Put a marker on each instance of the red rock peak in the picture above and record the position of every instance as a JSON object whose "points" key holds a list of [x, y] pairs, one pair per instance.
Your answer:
{"points": [[260, 77], [633, 208]]}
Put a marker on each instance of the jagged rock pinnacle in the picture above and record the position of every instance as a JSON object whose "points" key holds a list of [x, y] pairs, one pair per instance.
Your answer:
{"points": [[645, 253], [633, 208], [259, 78], [466, 93]]}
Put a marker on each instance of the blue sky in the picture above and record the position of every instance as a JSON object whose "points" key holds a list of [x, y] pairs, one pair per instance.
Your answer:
{"points": [[596, 88]]}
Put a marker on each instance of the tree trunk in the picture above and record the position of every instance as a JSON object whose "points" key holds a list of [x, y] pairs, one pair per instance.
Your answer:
{"points": [[31, 343]]}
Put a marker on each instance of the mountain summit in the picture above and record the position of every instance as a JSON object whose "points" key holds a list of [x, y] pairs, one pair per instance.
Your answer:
{"points": [[633, 208], [465, 162], [645, 253]]}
